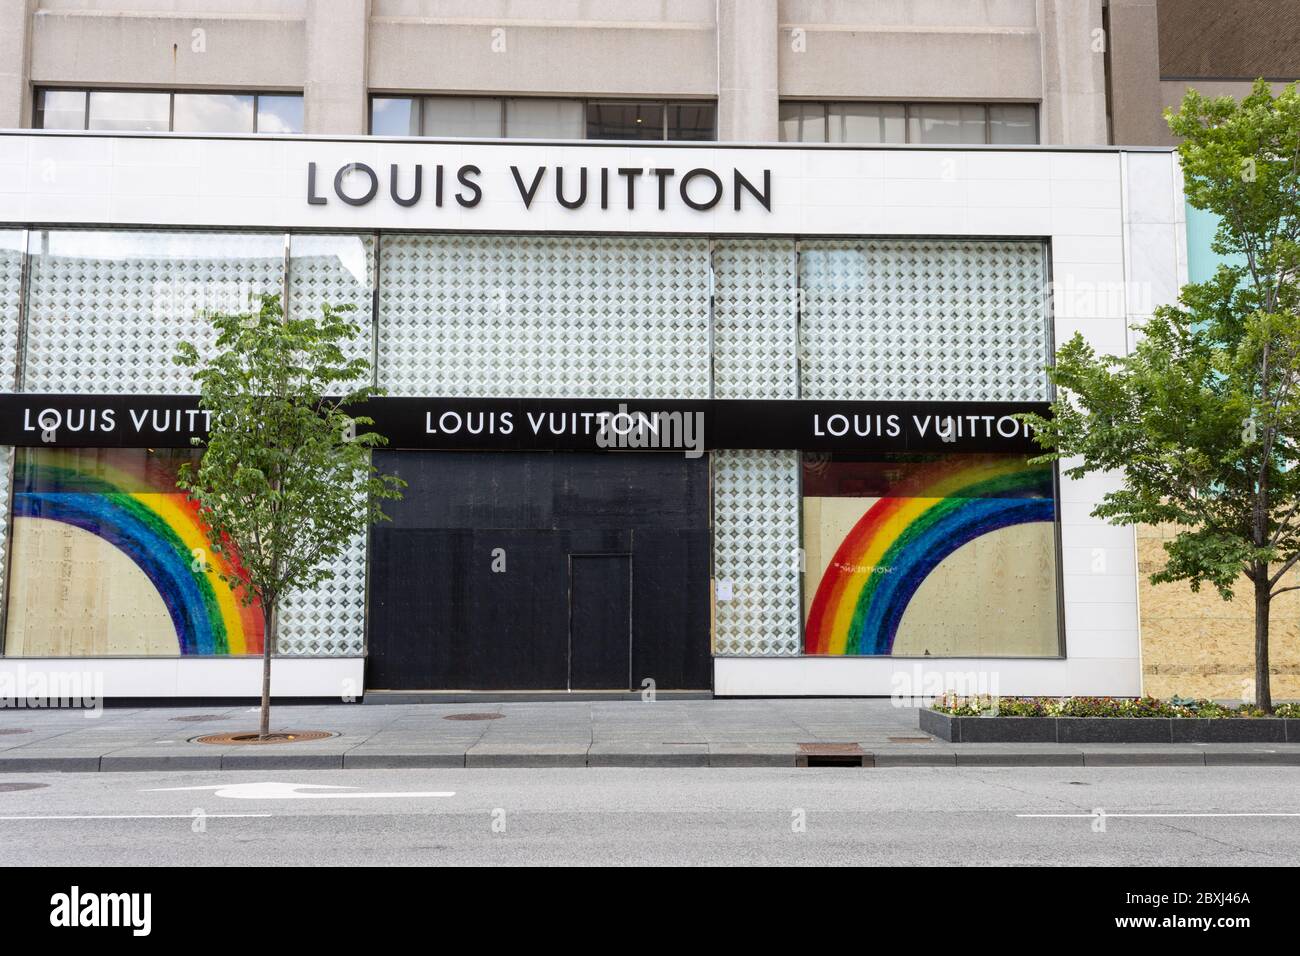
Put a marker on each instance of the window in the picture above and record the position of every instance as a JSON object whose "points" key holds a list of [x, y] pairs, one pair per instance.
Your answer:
{"points": [[161, 111], [526, 117], [625, 121], [544, 119], [945, 123], [394, 116], [867, 123], [956, 123], [141, 111], [279, 113], [462, 116], [1013, 124], [212, 113], [970, 558], [61, 109]]}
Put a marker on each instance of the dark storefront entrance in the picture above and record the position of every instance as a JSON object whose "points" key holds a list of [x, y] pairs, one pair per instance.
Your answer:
{"points": [[542, 571]]}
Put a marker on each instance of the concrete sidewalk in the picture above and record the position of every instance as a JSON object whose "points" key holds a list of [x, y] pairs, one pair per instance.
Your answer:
{"points": [[664, 733]]}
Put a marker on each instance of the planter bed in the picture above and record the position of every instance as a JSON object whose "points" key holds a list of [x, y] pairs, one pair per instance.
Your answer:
{"points": [[1110, 730]]}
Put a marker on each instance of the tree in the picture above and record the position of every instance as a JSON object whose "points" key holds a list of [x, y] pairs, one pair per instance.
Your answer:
{"points": [[285, 480], [1202, 418]]}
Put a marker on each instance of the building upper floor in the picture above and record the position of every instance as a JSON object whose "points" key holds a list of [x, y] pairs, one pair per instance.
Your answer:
{"points": [[957, 71], [970, 72]]}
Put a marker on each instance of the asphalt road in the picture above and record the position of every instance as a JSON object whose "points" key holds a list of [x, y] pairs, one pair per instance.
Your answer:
{"points": [[914, 816]]}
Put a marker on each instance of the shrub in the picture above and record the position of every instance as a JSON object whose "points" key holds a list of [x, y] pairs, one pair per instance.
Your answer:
{"points": [[986, 704]]}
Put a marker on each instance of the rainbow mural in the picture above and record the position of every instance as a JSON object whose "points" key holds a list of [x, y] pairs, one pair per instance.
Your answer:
{"points": [[116, 495], [882, 561]]}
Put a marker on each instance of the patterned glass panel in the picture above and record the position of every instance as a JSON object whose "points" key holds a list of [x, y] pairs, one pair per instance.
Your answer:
{"points": [[755, 319], [106, 309], [11, 286], [960, 320], [544, 316], [329, 620], [756, 553], [338, 271]]}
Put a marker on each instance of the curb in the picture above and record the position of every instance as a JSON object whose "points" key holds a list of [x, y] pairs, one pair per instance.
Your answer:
{"points": [[109, 763]]}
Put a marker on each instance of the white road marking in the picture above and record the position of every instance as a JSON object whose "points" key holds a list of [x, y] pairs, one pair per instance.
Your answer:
{"points": [[1089, 816], [299, 791], [140, 816]]}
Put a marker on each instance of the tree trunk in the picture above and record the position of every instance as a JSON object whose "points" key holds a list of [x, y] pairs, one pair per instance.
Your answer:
{"points": [[268, 647], [1263, 595]]}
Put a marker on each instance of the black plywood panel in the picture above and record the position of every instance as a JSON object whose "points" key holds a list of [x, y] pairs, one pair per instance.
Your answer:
{"points": [[670, 609], [442, 618], [600, 621]]}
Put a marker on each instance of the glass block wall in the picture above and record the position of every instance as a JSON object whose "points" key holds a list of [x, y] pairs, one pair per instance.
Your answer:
{"points": [[544, 316], [12, 244], [329, 620], [755, 319], [756, 556], [127, 298], [959, 320]]}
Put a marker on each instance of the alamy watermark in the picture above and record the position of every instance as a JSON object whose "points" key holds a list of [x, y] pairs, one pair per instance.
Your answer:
{"points": [[21, 688], [673, 431], [922, 685]]}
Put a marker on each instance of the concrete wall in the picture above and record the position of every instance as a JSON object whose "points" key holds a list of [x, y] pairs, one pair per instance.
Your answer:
{"points": [[744, 53], [250, 46], [1146, 80]]}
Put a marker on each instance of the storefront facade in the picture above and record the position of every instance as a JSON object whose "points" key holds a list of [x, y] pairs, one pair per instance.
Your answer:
{"points": [[702, 418]]}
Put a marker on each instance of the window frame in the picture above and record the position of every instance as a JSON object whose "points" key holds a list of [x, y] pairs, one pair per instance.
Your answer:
{"points": [[583, 101], [87, 91], [907, 106]]}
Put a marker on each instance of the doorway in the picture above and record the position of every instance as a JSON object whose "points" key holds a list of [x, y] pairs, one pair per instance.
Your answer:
{"points": [[543, 571], [600, 621]]}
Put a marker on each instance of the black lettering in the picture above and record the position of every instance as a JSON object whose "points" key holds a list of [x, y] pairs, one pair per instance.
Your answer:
{"points": [[663, 175], [462, 177], [312, 198], [765, 197], [582, 188], [360, 168], [712, 177], [415, 192], [630, 175], [528, 193]]}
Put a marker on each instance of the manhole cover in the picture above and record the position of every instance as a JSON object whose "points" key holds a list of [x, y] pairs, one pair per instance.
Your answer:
{"points": [[910, 740], [12, 787], [473, 716], [196, 718], [10, 731], [281, 737]]}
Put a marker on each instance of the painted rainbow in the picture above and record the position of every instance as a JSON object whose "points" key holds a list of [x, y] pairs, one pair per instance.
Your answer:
{"points": [[882, 561], [159, 531]]}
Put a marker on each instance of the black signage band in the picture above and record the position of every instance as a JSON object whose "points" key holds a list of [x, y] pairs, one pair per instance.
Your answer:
{"points": [[516, 424]]}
